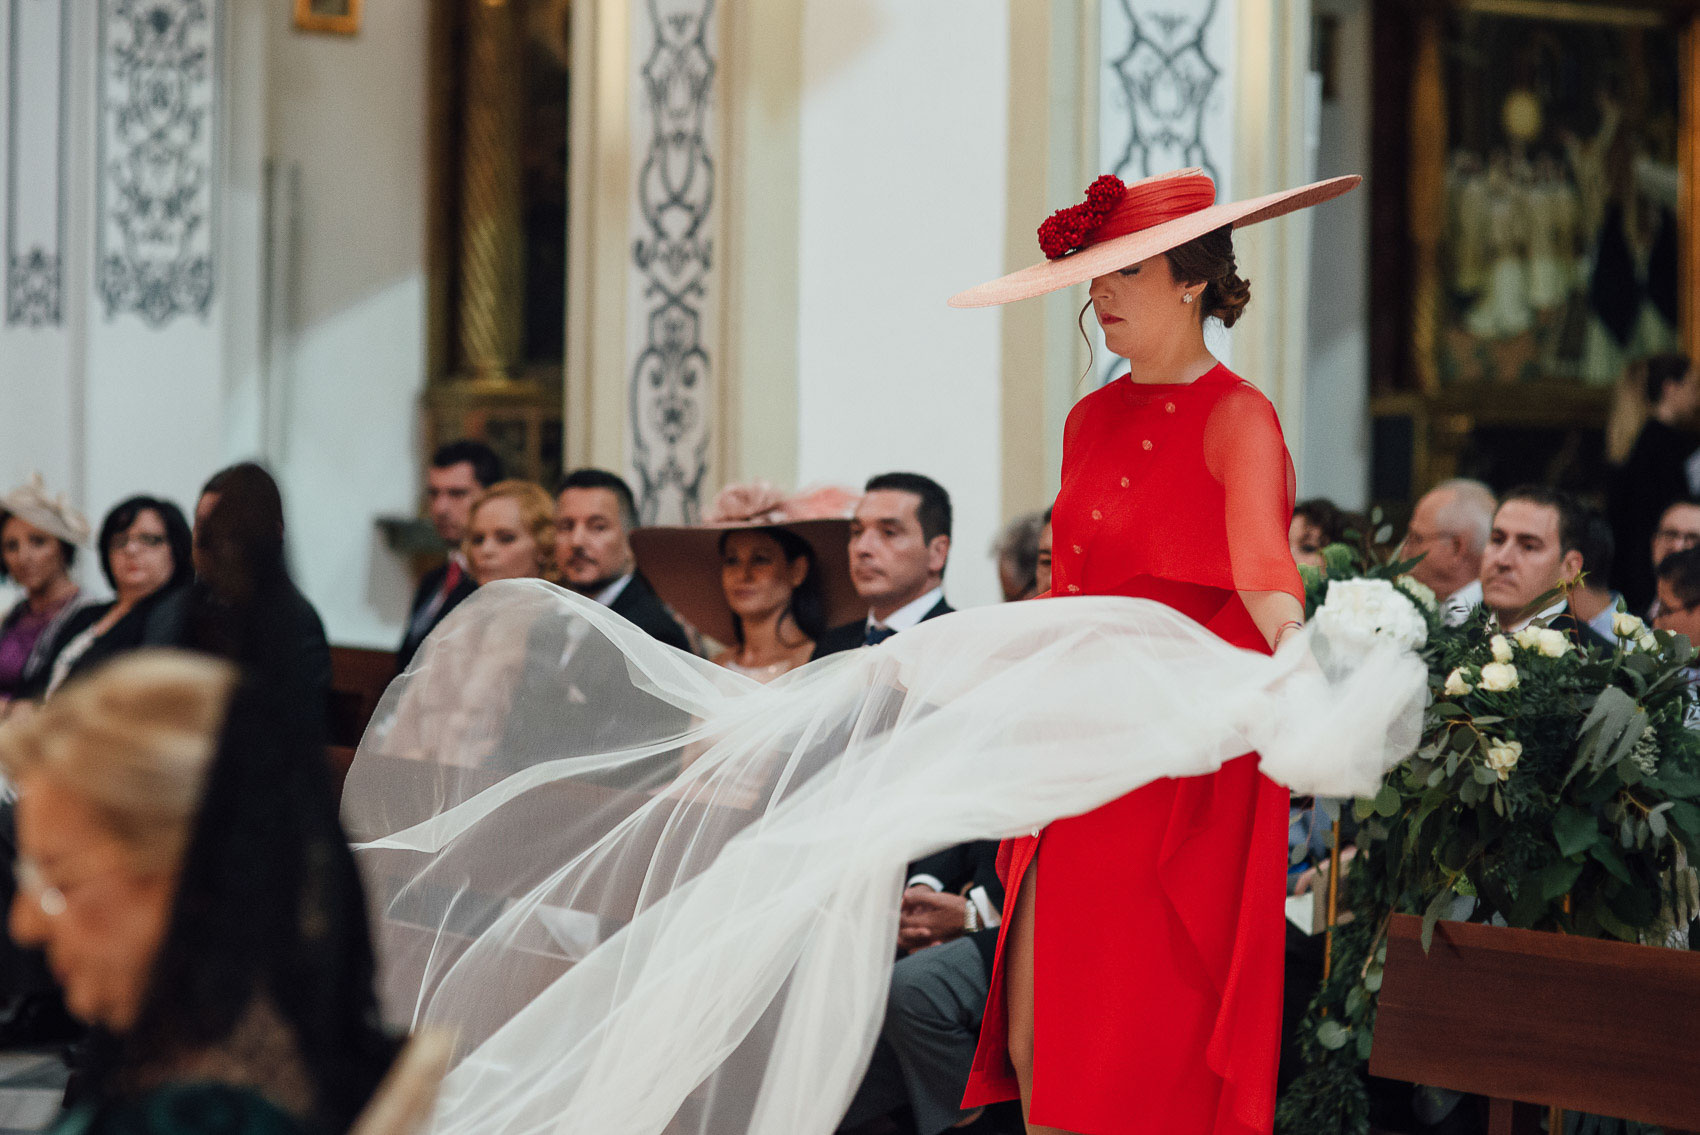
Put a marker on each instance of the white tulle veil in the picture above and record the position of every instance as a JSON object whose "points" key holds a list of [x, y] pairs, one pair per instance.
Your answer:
{"points": [[652, 895]]}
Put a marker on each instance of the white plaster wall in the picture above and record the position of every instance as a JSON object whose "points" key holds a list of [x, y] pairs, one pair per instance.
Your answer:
{"points": [[314, 366], [1335, 460], [902, 175], [345, 367]]}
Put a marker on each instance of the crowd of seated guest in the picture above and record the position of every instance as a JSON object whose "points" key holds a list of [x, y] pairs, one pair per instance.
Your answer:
{"points": [[764, 584]]}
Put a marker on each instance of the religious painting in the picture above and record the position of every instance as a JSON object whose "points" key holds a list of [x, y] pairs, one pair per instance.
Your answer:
{"points": [[339, 16], [1532, 163], [1559, 255]]}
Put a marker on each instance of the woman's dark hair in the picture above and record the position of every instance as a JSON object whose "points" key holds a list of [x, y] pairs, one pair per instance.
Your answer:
{"points": [[1682, 571], [1661, 371], [177, 536], [1209, 260], [67, 550], [268, 923], [1330, 519], [240, 541], [808, 600]]}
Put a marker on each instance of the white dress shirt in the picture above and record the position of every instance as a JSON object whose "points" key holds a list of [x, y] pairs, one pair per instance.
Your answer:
{"points": [[909, 614], [1456, 607], [1545, 616], [612, 592]]}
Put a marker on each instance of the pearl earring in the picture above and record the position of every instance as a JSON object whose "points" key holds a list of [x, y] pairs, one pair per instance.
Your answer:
{"points": [[1186, 297]]}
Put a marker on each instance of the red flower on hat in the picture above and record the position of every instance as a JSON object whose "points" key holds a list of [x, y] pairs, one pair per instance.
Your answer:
{"points": [[1069, 230]]}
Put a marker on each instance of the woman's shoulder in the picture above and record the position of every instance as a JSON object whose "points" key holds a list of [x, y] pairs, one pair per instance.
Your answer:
{"points": [[1234, 397], [184, 1109]]}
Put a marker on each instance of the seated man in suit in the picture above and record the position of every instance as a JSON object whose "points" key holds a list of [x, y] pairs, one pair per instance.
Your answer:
{"points": [[595, 513], [948, 932], [1535, 545], [899, 544], [459, 471]]}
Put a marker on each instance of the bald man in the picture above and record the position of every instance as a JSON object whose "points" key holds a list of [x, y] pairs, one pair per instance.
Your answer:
{"points": [[1449, 529]]}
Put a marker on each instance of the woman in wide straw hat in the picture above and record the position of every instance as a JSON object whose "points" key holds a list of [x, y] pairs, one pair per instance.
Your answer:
{"points": [[1154, 1004], [764, 574]]}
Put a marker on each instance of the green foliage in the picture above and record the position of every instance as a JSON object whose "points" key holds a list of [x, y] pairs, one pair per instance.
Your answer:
{"points": [[1554, 788]]}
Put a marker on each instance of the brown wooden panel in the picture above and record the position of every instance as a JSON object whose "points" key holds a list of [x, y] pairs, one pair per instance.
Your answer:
{"points": [[358, 679], [1589, 1025]]}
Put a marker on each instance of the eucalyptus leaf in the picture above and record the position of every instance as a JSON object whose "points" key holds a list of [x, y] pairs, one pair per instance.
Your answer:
{"points": [[1436, 907], [1387, 801], [1484, 775], [1575, 830], [1555, 880], [1332, 1035]]}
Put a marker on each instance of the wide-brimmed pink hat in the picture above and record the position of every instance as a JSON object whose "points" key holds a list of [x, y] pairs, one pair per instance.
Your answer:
{"points": [[683, 563], [1118, 225]]}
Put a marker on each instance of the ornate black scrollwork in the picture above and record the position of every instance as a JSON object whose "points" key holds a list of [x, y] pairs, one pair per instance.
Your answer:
{"points": [[33, 288], [674, 254], [1167, 77], [156, 163]]}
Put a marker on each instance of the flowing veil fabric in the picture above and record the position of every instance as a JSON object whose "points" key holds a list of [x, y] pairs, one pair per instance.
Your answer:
{"points": [[652, 895]]}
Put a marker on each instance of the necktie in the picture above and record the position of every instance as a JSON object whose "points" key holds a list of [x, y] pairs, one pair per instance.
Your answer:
{"points": [[877, 635], [451, 580]]}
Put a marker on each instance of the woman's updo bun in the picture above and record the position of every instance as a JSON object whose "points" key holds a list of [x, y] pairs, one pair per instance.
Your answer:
{"points": [[1209, 260]]}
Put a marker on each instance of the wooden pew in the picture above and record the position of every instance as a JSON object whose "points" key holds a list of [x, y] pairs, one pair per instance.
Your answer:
{"points": [[1530, 1018]]}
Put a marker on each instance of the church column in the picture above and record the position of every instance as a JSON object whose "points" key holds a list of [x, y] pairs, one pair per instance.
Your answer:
{"points": [[492, 267], [485, 392]]}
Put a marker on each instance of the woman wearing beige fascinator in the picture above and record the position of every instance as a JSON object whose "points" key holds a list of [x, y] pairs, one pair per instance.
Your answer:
{"points": [[764, 574], [39, 537]]}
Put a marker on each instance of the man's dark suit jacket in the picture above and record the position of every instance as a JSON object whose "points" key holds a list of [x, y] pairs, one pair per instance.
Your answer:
{"points": [[1581, 633], [639, 604], [422, 596], [851, 635]]}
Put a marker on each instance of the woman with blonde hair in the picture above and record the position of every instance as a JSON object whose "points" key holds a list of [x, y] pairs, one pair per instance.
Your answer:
{"points": [[511, 534], [180, 863]]}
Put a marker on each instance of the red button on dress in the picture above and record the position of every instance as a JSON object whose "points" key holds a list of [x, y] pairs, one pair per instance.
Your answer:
{"points": [[1159, 932]]}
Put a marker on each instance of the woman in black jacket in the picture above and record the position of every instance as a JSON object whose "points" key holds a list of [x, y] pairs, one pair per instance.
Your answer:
{"points": [[146, 555]]}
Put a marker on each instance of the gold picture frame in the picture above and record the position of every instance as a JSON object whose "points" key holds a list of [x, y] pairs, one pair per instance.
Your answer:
{"points": [[337, 17]]}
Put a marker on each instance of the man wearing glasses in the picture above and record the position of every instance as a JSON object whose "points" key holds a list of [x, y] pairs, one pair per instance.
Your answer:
{"points": [[1449, 530], [1678, 530]]}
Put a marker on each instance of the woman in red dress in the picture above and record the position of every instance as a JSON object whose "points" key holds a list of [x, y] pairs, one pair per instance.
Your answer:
{"points": [[1137, 986]]}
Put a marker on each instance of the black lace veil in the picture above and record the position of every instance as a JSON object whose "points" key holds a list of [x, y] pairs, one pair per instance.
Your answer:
{"points": [[269, 924]]}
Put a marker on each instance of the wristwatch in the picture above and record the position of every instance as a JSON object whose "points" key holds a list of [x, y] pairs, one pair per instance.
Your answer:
{"points": [[970, 918]]}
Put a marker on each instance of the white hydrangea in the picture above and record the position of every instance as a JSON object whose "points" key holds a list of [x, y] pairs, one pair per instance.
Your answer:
{"points": [[1497, 677], [1356, 613]]}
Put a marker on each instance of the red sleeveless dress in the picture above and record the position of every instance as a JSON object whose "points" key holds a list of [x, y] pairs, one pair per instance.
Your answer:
{"points": [[1159, 931]]}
